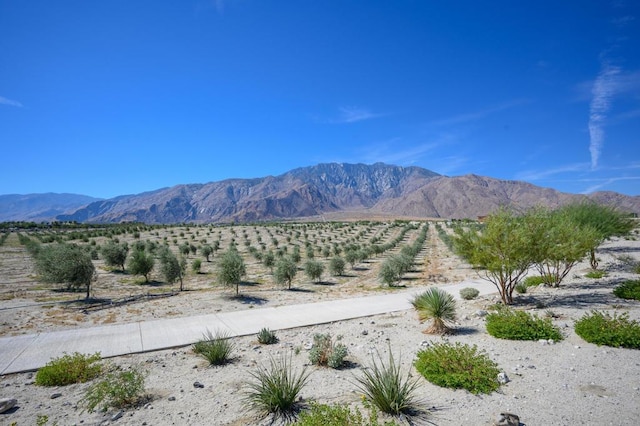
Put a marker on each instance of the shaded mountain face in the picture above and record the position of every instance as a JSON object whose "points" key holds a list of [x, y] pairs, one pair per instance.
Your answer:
{"points": [[372, 190], [40, 207]]}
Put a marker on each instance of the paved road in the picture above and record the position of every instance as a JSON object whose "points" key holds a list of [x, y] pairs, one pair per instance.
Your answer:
{"points": [[31, 351]]}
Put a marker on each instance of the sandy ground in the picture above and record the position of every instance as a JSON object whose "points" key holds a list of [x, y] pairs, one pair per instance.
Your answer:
{"points": [[568, 383]]}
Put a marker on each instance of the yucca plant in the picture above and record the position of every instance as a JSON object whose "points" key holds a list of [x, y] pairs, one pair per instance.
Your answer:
{"points": [[215, 348], [439, 307], [267, 337], [384, 387], [276, 389]]}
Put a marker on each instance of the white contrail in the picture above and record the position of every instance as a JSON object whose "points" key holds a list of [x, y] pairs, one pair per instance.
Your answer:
{"points": [[603, 90]]}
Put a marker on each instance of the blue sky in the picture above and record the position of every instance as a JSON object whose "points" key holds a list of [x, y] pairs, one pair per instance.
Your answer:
{"points": [[121, 97]]}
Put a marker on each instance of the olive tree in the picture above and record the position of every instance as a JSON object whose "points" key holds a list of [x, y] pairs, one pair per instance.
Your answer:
{"points": [[141, 263], [171, 268], [231, 269], [336, 266], [314, 270], [65, 263], [285, 271], [115, 254]]}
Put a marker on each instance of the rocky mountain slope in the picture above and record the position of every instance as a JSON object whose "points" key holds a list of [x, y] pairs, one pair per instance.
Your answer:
{"points": [[39, 207], [377, 189]]}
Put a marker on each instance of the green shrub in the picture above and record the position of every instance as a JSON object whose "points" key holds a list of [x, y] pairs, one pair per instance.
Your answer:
{"points": [[595, 274], [267, 337], [469, 293], [436, 305], [196, 265], [118, 389], [603, 329], [338, 415], [216, 348], [458, 366], [276, 389], [628, 290], [68, 369], [325, 353], [521, 287], [384, 387], [535, 280], [507, 323]]}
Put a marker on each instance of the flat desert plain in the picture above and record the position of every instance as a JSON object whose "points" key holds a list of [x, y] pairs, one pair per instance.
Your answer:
{"points": [[571, 382]]}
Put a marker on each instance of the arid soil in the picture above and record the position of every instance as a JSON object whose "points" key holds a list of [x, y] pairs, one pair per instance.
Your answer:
{"points": [[567, 383]]}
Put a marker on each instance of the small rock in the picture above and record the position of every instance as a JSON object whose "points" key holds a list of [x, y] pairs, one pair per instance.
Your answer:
{"points": [[543, 342], [508, 419], [425, 344], [364, 332], [503, 379], [7, 404], [117, 415], [481, 313], [55, 395], [198, 385], [172, 398]]}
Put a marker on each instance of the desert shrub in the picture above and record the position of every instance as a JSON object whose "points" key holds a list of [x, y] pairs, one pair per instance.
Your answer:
{"points": [[469, 293], [601, 328], [385, 388], [275, 389], [338, 415], [521, 287], [438, 306], [215, 348], [595, 274], [118, 389], [458, 366], [325, 353], [267, 337], [196, 265], [535, 280], [506, 323], [68, 369], [628, 290]]}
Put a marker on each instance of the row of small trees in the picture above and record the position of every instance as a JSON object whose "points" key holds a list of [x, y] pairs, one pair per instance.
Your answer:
{"points": [[551, 241]]}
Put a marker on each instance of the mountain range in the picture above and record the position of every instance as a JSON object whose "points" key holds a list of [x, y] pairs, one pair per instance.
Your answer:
{"points": [[324, 190]]}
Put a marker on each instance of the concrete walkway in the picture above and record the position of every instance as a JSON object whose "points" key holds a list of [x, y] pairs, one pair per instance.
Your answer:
{"points": [[31, 351]]}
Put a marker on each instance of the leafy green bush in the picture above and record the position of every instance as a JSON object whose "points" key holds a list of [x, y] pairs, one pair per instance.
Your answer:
{"points": [[118, 389], [216, 348], [628, 290], [603, 329], [338, 415], [68, 369], [507, 323], [384, 387], [535, 280], [325, 353], [595, 274], [438, 306], [469, 293], [276, 389], [267, 337], [458, 366]]}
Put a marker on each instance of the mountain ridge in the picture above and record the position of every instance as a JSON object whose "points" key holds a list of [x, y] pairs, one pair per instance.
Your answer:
{"points": [[333, 188]]}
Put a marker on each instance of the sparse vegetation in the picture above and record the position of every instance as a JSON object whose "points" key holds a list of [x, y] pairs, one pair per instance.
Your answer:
{"points": [[469, 293], [216, 348], [338, 415], [120, 388], [595, 274], [69, 369], [617, 331], [275, 389], [458, 366], [267, 337], [325, 352], [628, 290], [511, 324]]}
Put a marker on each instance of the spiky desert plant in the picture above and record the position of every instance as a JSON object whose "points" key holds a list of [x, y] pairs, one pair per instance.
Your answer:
{"points": [[438, 306], [215, 348], [276, 388]]}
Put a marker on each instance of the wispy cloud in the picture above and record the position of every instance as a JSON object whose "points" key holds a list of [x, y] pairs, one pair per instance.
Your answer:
{"points": [[476, 115], [606, 182], [604, 88], [352, 114], [535, 175], [10, 102]]}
